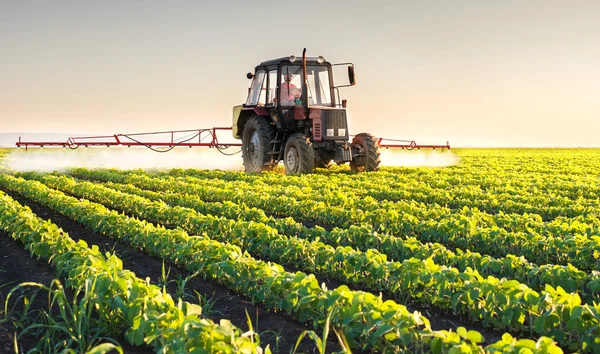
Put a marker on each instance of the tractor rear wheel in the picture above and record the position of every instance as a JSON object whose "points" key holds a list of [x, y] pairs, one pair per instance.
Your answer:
{"points": [[256, 144], [299, 156], [368, 157]]}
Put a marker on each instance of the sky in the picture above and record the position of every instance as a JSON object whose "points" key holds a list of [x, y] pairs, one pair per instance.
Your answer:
{"points": [[475, 73]]}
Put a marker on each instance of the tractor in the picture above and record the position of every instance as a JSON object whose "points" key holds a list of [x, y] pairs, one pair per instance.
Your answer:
{"points": [[292, 115]]}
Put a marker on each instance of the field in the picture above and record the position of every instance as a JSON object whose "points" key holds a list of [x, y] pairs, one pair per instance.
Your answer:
{"points": [[498, 253]]}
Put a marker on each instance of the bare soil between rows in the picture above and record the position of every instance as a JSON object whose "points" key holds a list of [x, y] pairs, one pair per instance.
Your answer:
{"points": [[275, 329]]}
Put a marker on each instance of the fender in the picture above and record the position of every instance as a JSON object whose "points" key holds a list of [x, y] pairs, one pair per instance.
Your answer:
{"points": [[241, 113]]}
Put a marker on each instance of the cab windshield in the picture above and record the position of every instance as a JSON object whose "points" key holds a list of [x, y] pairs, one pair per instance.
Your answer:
{"points": [[319, 91]]}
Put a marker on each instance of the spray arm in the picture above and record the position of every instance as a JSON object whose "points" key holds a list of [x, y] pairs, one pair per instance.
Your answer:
{"points": [[166, 139]]}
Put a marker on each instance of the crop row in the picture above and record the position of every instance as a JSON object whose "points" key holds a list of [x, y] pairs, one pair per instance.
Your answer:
{"points": [[537, 171], [375, 194], [491, 195], [149, 315], [367, 321], [460, 175], [500, 303], [529, 223], [586, 224], [460, 231], [424, 202], [445, 187]]}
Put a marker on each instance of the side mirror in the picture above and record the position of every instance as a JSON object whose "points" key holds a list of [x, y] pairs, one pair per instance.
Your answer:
{"points": [[250, 76], [351, 77]]}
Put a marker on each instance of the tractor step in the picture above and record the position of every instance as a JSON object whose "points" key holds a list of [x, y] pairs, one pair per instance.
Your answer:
{"points": [[276, 148]]}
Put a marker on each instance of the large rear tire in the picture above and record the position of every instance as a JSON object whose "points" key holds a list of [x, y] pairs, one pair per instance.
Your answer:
{"points": [[299, 156], [256, 144], [369, 156]]}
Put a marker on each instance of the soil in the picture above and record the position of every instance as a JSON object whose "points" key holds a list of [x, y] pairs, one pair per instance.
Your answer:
{"points": [[279, 331]]}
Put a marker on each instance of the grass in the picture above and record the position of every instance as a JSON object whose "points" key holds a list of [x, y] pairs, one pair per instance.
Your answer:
{"points": [[183, 292], [68, 325], [321, 342]]}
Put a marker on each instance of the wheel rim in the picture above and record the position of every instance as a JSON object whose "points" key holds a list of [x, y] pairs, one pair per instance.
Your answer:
{"points": [[292, 159], [253, 144]]}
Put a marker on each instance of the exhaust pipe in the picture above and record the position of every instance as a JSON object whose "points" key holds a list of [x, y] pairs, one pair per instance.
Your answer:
{"points": [[304, 84]]}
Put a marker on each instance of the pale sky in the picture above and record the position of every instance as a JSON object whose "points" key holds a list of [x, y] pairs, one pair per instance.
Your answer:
{"points": [[476, 73]]}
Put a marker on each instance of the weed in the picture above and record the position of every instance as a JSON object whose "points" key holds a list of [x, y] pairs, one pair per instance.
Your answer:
{"points": [[321, 342], [67, 326], [181, 286], [208, 305]]}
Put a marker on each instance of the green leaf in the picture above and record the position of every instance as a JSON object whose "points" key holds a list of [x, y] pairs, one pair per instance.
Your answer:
{"points": [[475, 337], [383, 329], [462, 332], [105, 348]]}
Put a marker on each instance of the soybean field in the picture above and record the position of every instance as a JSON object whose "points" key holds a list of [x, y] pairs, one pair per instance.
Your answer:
{"points": [[499, 253]]}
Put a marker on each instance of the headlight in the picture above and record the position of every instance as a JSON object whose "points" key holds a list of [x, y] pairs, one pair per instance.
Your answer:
{"points": [[320, 59], [292, 58], [329, 132]]}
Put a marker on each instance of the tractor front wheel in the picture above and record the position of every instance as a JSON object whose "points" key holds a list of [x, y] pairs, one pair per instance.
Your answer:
{"points": [[256, 144], [299, 156], [366, 155]]}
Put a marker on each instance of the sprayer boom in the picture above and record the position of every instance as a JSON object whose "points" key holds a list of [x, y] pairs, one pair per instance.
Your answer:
{"points": [[166, 139], [192, 138], [408, 144]]}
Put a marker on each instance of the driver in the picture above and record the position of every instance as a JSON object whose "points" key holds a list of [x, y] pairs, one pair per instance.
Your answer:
{"points": [[289, 91]]}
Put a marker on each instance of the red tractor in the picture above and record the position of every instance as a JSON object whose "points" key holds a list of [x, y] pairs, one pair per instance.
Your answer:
{"points": [[292, 114]]}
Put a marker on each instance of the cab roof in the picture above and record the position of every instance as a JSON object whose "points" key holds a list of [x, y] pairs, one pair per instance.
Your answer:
{"points": [[286, 59]]}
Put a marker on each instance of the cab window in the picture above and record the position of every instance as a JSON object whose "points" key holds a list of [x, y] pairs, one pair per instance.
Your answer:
{"points": [[291, 85], [272, 86], [256, 96]]}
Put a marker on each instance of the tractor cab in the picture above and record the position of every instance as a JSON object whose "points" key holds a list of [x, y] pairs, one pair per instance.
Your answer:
{"points": [[280, 82], [292, 114]]}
